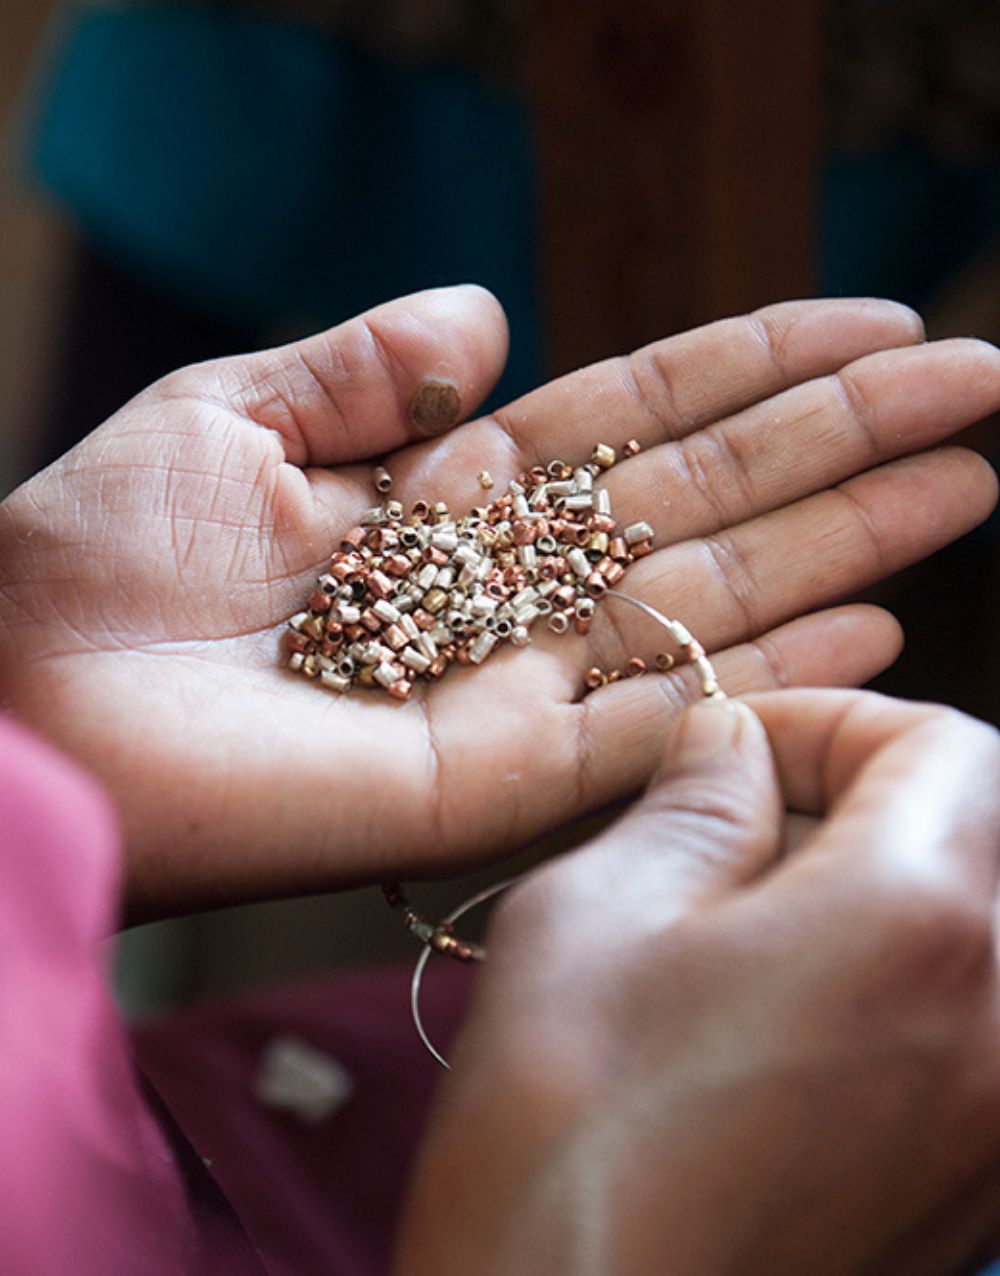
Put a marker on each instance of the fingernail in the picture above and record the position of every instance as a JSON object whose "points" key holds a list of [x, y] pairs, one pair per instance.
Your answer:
{"points": [[435, 406], [708, 732]]}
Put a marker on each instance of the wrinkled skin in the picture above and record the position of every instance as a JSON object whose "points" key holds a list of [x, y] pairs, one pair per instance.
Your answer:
{"points": [[715, 1040], [147, 574]]}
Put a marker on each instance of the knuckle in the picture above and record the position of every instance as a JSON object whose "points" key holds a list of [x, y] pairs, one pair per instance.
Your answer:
{"points": [[706, 809], [939, 934]]}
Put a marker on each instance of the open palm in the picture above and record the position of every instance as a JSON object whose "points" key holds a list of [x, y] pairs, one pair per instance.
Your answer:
{"points": [[147, 575]]}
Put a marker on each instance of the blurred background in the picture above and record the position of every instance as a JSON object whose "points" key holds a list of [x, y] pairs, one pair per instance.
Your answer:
{"points": [[184, 180]]}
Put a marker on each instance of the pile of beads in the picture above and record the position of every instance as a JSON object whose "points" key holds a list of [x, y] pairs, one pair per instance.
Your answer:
{"points": [[406, 596]]}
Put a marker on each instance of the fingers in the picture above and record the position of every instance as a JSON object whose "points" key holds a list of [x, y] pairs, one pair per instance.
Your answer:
{"points": [[814, 435], [711, 817], [670, 388], [710, 820], [403, 371], [624, 724], [666, 390], [911, 788], [728, 587]]}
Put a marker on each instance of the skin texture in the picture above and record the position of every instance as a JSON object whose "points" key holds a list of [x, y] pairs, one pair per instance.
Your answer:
{"points": [[145, 577], [766, 1057]]}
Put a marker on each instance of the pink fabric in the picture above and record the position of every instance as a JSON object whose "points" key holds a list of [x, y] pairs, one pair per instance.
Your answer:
{"points": [[89, 1181], [96, 1178]]}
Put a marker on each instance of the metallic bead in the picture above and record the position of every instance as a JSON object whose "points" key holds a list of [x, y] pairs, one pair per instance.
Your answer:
{"points": [[603, 455], [400, 689], [385, 674], [665, 661], [334, 681], [485, 478], [594, 678], [420, 509], [564, 596], [631, 448], [315, 627], [385, 611], [394, 509], [637, 532], [426, 644], [641, 549], [296, 661], [398, 565], [380, 584], [395, 637], [580, 563], [434, 600], [617, 549], [634, 667], [596, 585], [415, 660], [602, 501], [555, 469], [445, 540], [577, 503], [520, 636], [598, 543], [680, 634], [559, 622], [613, 573], [481, 647], [353, 539], [382, 479]]}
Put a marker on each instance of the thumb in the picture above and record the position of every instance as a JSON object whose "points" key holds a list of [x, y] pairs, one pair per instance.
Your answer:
{"points": [[408, 369], [711, 818], [710, 821]]}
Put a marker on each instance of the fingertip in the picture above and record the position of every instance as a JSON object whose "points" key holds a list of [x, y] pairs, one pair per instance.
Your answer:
{"points": [[712, 732], [905, 316], [472, 345]]}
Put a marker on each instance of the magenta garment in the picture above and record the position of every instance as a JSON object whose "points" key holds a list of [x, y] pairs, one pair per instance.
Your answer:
{"points": [[95, 1174]]}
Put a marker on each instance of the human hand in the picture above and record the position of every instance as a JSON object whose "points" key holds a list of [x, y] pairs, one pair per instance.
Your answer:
{"points": [[146, 576], [693, 1051]]}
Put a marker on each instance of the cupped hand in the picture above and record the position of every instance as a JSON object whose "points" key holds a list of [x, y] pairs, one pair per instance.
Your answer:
{"points": [[695, 1048], [146, 576]]}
